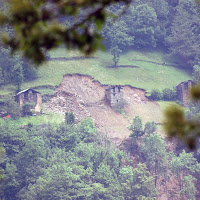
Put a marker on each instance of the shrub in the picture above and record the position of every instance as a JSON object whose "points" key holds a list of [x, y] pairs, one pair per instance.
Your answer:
{"points": [[156, 95], [168, 94], [9, 106], [136, 127], [69, 118], [150, 127]]}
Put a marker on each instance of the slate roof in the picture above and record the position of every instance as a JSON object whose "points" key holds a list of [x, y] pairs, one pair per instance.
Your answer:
{"points": [[26, 91]]}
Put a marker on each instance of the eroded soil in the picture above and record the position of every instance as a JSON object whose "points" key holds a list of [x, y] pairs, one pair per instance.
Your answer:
{"points": [[85, 97]]}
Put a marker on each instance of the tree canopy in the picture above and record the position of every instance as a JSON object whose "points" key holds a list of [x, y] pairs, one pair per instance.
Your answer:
{"points": [[37, 25]]}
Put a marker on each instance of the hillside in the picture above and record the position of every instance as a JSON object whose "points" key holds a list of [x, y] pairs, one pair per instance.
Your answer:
{"points": [[155, 70], [152, 70], [85, 97]]}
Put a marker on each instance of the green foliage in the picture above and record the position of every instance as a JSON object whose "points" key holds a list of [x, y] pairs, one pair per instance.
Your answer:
{"points": [[176, 124], [143, 24], [136, 127], [87, 129], [116, 34], [183, 39], [189, 190], [155, 153], [156, 95], [168, 94], [183, 166], [69, 118], [137, 183], [18, 76], [196, 73], [14, 70], [37, 27], [11, 107], [150, 127], [115, 51], [55, 163]]}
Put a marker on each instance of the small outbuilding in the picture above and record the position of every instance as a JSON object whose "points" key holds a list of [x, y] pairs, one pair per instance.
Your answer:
{"points": [[114, 95], [183, 89], [30, 96]]}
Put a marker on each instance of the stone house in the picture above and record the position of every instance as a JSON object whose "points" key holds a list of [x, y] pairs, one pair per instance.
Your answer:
{"points": [[30, 96], [183, 89], [114, 95]]}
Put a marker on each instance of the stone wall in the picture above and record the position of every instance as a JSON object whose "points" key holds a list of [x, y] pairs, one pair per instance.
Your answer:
{"points": [[30, 96], [183, 91], [114, 95]]}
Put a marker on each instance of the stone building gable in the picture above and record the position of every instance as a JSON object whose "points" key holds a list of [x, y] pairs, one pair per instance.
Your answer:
{"points": [[183, 91], [30, 96], [114, 95]]}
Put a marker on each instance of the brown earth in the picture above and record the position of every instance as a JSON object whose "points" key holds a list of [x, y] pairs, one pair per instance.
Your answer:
{"points": [[84, 96]]}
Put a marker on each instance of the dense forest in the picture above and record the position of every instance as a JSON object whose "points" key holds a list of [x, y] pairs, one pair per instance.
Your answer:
{"points": [[73, 159]]}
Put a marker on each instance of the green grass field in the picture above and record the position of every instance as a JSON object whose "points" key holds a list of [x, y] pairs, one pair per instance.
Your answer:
{"points": [[165, 104], [51, 118], [148, 76]]}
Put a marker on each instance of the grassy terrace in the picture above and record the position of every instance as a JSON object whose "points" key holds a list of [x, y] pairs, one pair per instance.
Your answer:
{"points": [[147, 76], [35, 120]]}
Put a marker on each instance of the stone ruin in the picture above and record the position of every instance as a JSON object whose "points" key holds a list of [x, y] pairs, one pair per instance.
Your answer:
{"points": [[114, 95], [30, 96], [183, 91]]}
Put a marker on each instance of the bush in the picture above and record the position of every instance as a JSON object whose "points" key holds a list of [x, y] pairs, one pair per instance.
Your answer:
{"points": [[136, 127], [150, 127], [156, 95], [69, 118], [10, 107], [168, 94]]}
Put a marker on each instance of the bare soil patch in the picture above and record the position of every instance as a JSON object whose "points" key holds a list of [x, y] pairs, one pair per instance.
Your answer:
{"points": [[84, 96]]}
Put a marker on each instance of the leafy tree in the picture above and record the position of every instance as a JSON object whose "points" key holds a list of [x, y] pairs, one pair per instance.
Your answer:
{"points": [[142, 21], [183, 40], [189, 190], [156, 94], [14, 70], [87, 129], [37, 27], [155, 153], [58, 182], [18, 76], [168, 94], [176, 123], [182, 166], [136, 127], [163, 13], [69, 118], [150, 127], [11, 107], [137, 183], [116, 34]]}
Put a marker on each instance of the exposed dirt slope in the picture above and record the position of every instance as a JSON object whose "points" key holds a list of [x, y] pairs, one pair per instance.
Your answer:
{"points": [[85, 98]]}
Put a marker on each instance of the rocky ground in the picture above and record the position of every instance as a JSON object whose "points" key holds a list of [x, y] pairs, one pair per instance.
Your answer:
{"points": [[85, 97]]}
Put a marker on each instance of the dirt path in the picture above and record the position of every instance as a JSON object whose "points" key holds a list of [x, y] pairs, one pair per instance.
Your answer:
{"points": [[85, 98]]}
